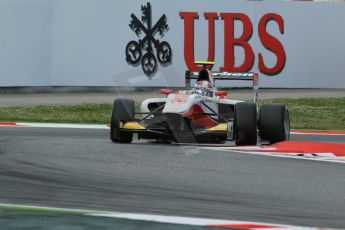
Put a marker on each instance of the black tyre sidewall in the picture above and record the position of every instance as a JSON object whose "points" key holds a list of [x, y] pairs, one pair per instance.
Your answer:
{"points": [[123, 110], [272, 123], [245, 121]]}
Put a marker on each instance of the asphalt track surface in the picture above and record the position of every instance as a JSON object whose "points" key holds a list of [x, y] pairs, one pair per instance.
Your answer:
{"points": [[81, 168]]}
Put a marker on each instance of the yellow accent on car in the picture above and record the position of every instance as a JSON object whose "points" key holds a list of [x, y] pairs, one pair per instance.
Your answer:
{"points": [[131, 125], [204, 62], [219, 127]]}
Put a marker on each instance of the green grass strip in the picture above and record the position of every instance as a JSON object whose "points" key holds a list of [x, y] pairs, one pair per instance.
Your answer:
{"points": [[82, 114], [12, 209], [305, 113]]}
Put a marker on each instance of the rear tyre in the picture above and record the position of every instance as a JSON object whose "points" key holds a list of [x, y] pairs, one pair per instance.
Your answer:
{"points": [[245, 124], [274, 123], [123, 111]]}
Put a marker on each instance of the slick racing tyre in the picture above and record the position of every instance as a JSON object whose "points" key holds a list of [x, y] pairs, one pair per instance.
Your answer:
{"points": [[274, 123], [123, 111], [245, 124]]}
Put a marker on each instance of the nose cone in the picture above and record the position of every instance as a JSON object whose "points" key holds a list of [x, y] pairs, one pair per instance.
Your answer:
{"points": [[178, 103]]}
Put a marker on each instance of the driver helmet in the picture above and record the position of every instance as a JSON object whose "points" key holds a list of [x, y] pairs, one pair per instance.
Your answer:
{"points": [[205, 79]]}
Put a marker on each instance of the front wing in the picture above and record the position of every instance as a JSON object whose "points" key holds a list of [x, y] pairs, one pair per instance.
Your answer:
{"points": [[177, 130]]}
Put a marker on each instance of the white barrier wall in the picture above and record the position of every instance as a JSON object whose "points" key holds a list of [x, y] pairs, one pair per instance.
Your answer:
{"points": [[25, 42], [83, 42]]}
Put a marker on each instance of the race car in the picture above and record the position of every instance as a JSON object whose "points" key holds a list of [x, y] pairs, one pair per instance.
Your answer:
{"points": [[201, 113]]}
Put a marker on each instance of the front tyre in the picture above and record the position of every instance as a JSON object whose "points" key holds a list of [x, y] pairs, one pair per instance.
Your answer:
{"points": [[245, 124], [123, 111], [274, 123]]}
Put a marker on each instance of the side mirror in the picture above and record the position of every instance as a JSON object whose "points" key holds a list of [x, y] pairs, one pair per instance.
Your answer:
{"points": [[221, 93], [165, 91]]}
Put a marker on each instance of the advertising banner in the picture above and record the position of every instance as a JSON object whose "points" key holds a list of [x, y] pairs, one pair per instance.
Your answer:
{"points": [[153, 43]]}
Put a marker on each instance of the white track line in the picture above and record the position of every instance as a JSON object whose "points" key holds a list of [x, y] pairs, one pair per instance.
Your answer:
{"points": [[158, 218], [324, 156], [55, 125], [317, 133]]}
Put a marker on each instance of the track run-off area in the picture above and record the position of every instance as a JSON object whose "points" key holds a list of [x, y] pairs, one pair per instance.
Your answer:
{"points": [[295, 183]]}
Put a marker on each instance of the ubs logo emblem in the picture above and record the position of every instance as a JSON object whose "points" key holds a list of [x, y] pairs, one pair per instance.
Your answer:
{"points": [[147, 42]]}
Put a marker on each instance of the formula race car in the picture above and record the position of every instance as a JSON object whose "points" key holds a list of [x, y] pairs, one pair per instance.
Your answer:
{"points": [[201, 113]]}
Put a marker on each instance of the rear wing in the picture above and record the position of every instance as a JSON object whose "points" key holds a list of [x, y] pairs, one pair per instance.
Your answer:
{"points": [[254, 77]]}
